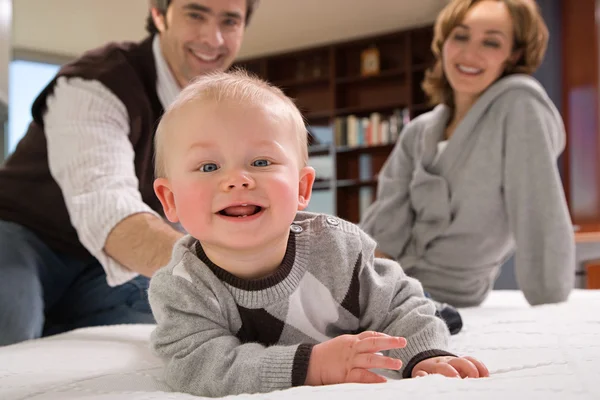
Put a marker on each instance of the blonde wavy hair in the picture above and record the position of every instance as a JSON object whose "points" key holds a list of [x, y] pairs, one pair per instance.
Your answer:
{"points": [[531, 39]]}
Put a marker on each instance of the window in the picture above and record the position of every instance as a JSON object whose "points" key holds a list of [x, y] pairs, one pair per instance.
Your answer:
{"points": [[25, 81]]}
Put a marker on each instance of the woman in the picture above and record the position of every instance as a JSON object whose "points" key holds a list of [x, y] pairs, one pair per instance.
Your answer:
{"points": [[476, 178]]}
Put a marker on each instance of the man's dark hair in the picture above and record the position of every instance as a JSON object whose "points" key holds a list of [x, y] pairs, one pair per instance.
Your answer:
{"points": [[162, 6]]}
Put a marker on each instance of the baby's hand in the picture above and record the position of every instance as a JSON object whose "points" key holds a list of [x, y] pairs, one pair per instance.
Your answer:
{"points": [[348, 358], [452, 367]]}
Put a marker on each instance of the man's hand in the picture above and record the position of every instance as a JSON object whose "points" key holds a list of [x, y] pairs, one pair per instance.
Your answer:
{"points": [[142, 242], [348, 358], [452, 367]]}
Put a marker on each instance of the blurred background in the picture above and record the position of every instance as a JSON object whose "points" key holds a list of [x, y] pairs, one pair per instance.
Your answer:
{"points": [[313, 49]]}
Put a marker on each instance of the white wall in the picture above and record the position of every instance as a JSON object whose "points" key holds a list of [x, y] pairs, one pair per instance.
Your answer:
{"points": [[72, 26]]}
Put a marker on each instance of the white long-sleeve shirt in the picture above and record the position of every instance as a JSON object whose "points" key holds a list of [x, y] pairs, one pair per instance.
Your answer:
{"points": [[92, 160]]}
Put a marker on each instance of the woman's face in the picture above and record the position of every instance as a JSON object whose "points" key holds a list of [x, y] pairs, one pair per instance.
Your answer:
{"points": [[477, 50]]}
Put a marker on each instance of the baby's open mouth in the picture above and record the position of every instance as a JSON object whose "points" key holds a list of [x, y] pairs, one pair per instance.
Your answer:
{"points": [[241, 211]]}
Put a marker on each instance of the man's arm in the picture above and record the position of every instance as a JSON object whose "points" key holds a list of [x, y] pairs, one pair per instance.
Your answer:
{"points": [[92, 160], [142, 243]]}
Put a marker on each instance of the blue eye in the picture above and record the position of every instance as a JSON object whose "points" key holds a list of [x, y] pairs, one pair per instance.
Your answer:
{"points": [[209, 167], [261, 163]]}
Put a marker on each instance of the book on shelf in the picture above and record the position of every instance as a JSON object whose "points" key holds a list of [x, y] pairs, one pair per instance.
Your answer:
{"points": [[353, 131]]}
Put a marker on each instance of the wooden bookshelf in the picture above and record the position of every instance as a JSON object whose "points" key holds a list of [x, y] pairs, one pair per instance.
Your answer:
{"points": [[327, 84]]}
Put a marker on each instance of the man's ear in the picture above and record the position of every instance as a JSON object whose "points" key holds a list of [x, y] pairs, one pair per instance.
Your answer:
{"points": [[163, 191], [307, 179], [159, 19]]}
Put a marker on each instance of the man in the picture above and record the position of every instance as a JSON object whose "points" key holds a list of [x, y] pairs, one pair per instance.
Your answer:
{"points": [[80, 227]]}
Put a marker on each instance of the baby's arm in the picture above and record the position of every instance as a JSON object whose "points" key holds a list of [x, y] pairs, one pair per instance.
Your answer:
{"points": [[203, 357], [394, 303]]}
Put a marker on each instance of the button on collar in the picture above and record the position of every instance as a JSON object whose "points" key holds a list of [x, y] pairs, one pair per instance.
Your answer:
{"points": [[296, 228], [333, 221]]}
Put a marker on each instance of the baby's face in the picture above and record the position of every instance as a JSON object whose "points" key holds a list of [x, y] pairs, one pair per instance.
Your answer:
{"points": [[234, 173]]}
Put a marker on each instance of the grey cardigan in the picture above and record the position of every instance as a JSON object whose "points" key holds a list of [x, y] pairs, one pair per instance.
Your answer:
{"points": [[452, 222]]}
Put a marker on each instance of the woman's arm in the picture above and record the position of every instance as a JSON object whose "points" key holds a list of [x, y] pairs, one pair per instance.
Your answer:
{"points": [[390, 218], [535, 201]]}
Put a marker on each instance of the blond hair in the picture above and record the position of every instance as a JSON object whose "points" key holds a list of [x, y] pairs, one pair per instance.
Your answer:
{"points": [[239, 86], [530, 34]]}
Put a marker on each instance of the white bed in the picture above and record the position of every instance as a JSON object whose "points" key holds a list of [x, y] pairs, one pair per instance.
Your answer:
{"points": [[547, 352]]}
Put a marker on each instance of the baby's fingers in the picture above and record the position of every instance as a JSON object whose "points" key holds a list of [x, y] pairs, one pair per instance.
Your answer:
{"points": [[380, 343], [444, 369], [419, 373], [465, 367], [368, 334], [483, 371], [359, 375], [373, 360]]}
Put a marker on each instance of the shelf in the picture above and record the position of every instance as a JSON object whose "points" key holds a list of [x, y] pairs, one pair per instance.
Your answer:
{"points": [[586, 233], [317, 114], [344, 184], [390, 73], [291, 83], [422, 66], [349, 151], [319, 150], [355, 183], [325, 149], [339, 91], [421, 107], [322, 184], [370, 108]]}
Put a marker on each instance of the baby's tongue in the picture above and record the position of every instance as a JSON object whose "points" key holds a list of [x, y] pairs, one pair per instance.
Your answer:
{"points": [[237, 211]]}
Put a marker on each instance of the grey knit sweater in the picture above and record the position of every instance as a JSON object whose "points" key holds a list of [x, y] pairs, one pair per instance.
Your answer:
{"points": [[221, 335], [452, 222]]}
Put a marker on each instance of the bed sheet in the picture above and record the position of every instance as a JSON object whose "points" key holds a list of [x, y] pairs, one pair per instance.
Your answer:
{"points": [[544, 352]]}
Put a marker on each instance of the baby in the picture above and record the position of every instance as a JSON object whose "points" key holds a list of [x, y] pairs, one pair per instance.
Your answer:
{"points": [[261, 296]]}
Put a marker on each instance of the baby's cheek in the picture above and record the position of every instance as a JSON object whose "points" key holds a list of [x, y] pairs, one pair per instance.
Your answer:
{"points": [[193, 207], [285, 188]]}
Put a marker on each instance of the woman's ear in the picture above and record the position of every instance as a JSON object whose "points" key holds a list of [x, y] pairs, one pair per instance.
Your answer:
{"points": [[162, 188], [514, 59]]}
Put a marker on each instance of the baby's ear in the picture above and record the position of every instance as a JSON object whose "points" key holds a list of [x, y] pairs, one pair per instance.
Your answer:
{"points": [[307, 178], [163, 191]]}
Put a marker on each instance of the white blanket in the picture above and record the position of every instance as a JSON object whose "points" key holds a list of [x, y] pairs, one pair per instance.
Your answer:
{"points": [[547, 352]]}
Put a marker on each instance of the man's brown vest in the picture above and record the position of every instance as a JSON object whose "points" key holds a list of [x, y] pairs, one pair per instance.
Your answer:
{"points": [[29, 195]]}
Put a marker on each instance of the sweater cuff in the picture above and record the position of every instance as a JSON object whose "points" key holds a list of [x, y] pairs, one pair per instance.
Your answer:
{"points": [[300, 365], [536, 296], [424, 355]]}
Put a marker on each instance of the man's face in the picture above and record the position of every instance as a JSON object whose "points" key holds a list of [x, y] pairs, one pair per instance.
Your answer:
{"points": [[201, 36]]}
